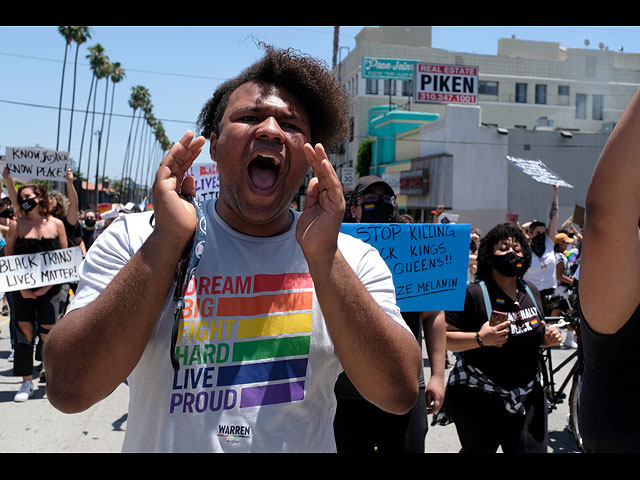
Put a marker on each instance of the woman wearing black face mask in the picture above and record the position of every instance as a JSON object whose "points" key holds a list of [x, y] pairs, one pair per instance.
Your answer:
{"points": [[493, 393], [34, 231]]}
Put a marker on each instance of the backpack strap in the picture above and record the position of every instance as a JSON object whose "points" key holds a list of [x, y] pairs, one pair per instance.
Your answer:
{"points": [[533, 299], [487, 300]]}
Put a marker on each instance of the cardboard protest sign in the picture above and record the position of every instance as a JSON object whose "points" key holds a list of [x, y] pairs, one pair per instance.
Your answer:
{"points": [[537, 170], [578, 215], [37, 163], [206, 178], [428, 261], [34, 270]]}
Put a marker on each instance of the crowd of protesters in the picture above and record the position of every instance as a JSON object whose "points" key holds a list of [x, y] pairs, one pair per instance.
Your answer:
{"points": [[551, 256], [35, 219], [518, 276]]}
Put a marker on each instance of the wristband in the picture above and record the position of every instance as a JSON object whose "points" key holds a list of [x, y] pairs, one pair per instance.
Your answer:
{"points": [[479, 340]]}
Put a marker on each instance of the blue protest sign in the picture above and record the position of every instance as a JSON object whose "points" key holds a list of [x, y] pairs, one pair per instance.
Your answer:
{"points": [[428, 261]]}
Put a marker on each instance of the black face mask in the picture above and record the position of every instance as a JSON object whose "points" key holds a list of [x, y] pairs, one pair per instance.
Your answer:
{"points": [[379, 212], [6, 213], [29, 204], [89, 222], [509, 265], [538, 244]]}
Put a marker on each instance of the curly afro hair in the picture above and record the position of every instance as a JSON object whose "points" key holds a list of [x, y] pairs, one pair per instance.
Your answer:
{"points": [[496, 234], [325, 100]]}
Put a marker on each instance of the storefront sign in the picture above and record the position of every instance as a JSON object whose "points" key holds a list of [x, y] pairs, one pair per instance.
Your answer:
{"points": [[387, 68]]}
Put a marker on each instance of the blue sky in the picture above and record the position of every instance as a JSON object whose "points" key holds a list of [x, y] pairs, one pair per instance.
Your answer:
{"points": [[181, 66]]}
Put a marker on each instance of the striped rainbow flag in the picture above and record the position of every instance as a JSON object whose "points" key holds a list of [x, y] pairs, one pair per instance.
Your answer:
{"points": [[274, 334]]}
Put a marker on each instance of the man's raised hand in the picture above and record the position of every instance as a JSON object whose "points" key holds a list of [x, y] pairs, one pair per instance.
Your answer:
{"points": [[174, 216], [319, 223]]}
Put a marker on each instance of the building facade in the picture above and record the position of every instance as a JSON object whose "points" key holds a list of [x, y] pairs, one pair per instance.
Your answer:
{"points": [[461, 163], [535, 100]]}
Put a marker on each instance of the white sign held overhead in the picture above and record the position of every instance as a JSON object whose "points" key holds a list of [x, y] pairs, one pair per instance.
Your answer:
{"points": [[537, 170], [37, 163], [445, 83]]}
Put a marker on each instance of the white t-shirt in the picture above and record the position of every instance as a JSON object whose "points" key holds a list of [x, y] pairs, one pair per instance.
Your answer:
{"points": [[542, 272], [257, 364]]}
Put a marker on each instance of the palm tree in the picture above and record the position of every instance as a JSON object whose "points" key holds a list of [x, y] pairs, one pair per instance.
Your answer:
{"points": [[96, 58], [101, 68], [105, 72], [117, 75], [161, 141], [147, 109], [139, 98], [80, 35], [67, 33]]}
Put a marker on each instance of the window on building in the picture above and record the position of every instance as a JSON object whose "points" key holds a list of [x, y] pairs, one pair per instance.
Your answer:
{"points": [[596, 107], [488, 88], [407, 88], [563, 90], [389, 87], [521, 92], [581, 105], [372, 86], [541, 94]]}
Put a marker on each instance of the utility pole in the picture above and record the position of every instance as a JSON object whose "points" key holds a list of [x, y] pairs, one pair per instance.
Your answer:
{"points": [[336, 41]]}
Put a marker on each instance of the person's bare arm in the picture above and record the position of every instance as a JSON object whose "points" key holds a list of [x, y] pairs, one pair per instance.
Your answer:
{"points": [[435, 340], [11, 189], [94, 348], [490, 336], [553, 215], [381, 358], [610, 257], [72, 195]]}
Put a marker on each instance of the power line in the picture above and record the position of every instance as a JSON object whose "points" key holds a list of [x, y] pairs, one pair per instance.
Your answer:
{"points": [[203, 77], [34, 105]]}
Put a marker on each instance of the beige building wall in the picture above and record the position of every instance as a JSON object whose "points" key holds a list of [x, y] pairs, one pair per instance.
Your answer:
{"points": [[582, 73]]}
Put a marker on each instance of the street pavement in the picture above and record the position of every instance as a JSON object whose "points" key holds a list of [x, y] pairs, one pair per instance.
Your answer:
{"points": [[37, 427]]}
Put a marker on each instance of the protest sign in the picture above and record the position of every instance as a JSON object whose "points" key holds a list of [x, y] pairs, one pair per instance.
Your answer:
{"points": [[537, 170], [448, 218], [37, 163], [428, 261], [578, 215], [206, 178], [34, 270]]}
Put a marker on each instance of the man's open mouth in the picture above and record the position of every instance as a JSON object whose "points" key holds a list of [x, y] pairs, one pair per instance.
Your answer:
{"points": [[263, 172]]}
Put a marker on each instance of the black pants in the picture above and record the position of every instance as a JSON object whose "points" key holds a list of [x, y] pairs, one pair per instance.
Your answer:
{"points": [[42, 313], [361, 427], [483, 424]]}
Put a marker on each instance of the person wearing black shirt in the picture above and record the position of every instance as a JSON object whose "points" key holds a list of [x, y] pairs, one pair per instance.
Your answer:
{"points": [[609, 291], [493, 394], [360, 426], [89, 228]]}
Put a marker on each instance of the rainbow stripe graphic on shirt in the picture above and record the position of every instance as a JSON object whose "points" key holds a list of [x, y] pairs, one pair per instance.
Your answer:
{"points": [[369, 206], [252, 339]]}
